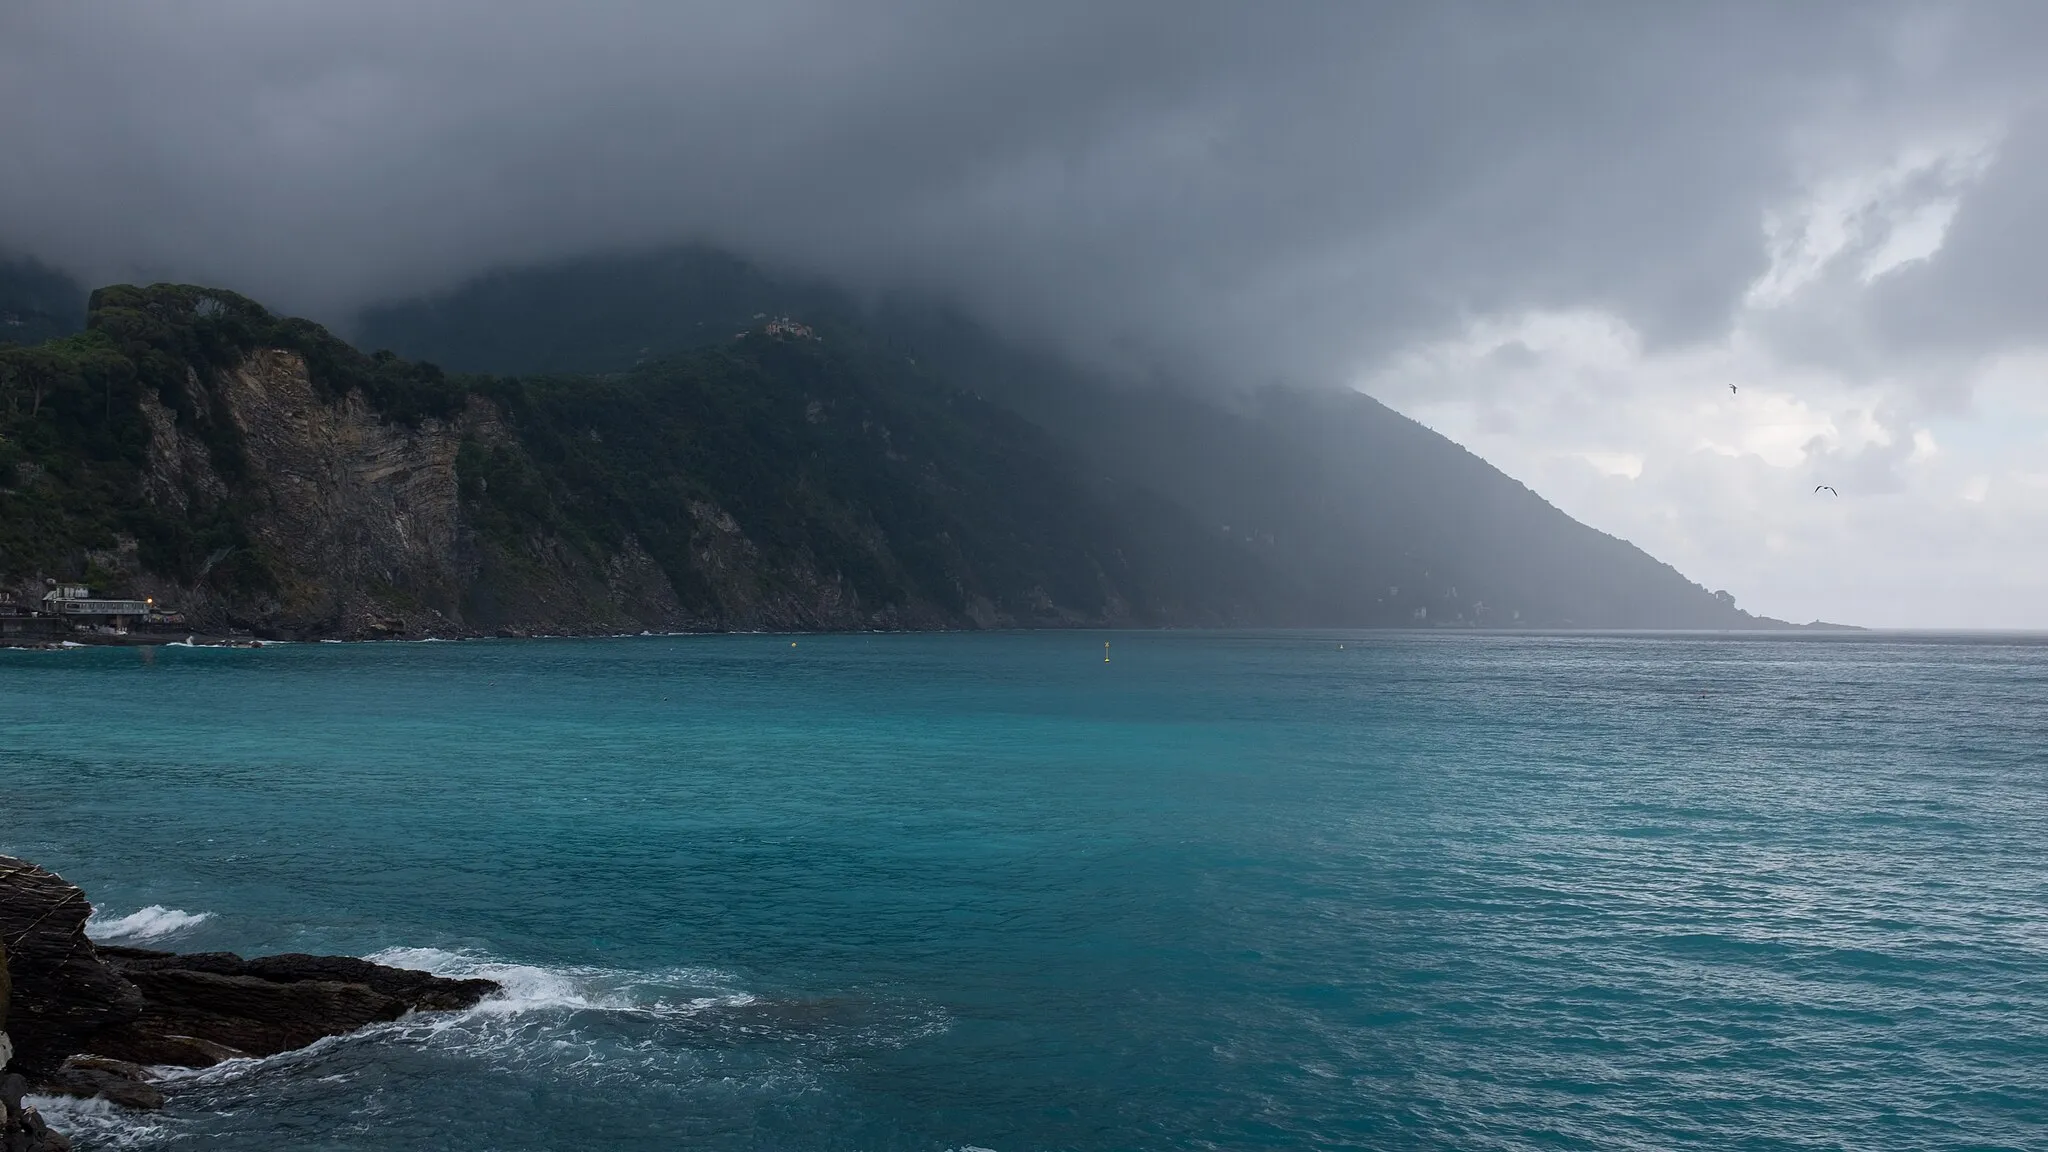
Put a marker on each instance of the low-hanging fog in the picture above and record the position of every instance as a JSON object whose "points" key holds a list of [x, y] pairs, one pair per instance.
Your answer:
{"points": [[1556, 233]]}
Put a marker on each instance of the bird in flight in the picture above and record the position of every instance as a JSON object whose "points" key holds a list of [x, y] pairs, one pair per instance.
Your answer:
{"points": [[1731, 389], [1818, 488]]}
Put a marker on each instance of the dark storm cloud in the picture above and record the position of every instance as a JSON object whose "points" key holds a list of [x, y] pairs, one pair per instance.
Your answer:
{"points": [[1268, 188]]}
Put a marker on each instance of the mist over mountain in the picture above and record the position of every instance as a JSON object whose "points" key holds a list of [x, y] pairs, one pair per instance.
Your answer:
{"points": [[37, 302], [1353, 513]]}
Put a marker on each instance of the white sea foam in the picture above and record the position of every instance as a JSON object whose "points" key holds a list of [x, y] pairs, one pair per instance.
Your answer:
{"points": [[152, 923], [531, 988], [531, 1023], [95, 1123], [602, 1029]]}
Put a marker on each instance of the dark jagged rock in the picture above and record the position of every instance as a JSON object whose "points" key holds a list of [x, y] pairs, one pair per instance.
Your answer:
{"points": [[213, 1005], [63, 993], [89, 1021], [219, 1006], [21, 1130], [118, 1081], [420, 991], [148, 1047]]}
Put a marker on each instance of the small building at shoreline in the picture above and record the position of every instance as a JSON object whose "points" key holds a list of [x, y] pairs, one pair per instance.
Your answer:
{"points": [[77, 604]]}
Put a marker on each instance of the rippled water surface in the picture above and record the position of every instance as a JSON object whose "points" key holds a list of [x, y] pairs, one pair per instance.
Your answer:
{"points": [[1233, 891]]}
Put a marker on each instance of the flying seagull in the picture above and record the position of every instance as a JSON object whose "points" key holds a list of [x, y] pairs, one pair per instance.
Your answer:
{"points": [[1731, 389], [1818, 488]]}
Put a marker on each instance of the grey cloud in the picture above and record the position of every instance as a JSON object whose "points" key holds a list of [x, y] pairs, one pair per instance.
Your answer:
{"points": [[1989, 283], [1261, 189]]}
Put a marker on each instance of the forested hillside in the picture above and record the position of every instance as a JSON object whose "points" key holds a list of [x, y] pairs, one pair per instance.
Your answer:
{"points": [[254, 469]]}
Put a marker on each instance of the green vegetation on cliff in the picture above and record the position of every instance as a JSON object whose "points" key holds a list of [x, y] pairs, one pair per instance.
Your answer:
{"points": [[844, 472], [75, 433], [597, 314], [776, 479]]}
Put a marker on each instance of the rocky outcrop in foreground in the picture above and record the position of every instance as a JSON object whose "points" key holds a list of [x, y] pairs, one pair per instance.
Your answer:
{"points": [[200, 1009], [21, 1130], [91, 1021], [63, 994]]}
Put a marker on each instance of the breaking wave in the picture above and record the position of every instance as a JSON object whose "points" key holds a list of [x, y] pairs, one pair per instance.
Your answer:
{"points": [[531, 988], [567, 1017], [95, 1123], [155, 922]]}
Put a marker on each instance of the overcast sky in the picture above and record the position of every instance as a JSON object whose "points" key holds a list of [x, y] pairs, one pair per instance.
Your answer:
{"points": [[1555, 232]]}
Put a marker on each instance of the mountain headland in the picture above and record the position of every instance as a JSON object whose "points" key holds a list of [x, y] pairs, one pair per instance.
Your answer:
{"points": [[683, 442]]}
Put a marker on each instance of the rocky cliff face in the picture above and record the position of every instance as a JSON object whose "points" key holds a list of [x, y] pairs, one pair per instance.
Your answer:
{"points": [[729, 566], [357, 516], [367, 529], [361, 522]]}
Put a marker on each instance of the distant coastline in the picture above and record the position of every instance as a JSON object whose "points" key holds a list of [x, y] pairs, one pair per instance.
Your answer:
{"points": [[244, 639]]}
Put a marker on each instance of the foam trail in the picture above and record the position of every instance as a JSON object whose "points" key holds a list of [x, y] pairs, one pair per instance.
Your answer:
{"points": [[530, 988], [98, 1124], [527, 1025], [152, 923]]}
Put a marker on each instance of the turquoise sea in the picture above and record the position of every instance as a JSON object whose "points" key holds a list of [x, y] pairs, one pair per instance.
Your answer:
{"points": [[1389, 891]]}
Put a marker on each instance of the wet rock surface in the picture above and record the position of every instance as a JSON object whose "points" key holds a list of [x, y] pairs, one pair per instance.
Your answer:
{"points": [[91, 1021], [62, 993], [119, 1081], [215, 1005], [21, 1129]]}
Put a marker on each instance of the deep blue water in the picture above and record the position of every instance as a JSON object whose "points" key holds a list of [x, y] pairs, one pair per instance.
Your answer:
{"points": [[1398, 891]]}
